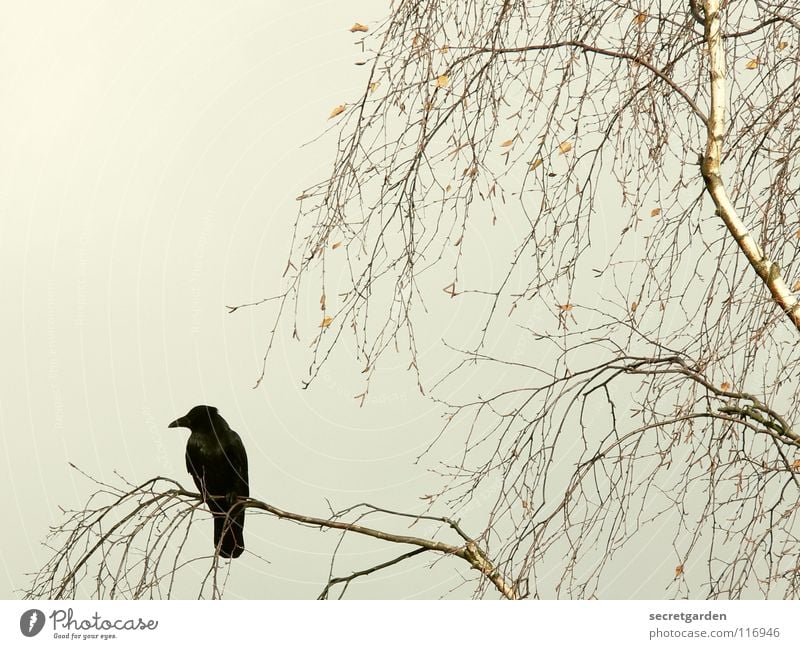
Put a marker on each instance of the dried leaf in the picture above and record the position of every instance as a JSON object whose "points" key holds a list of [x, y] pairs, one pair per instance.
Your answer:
{"points": [[782, 45], [679, 570], [337, 111], [507, 143], [752, 64], [796, 465], [655, 211], [565, 307], [535, 164], [358, 27], [640, 18], [336, 245], [565, 147], [634, 306], [796, 286], [442, 81], [797, 234], [322, 301], [725, 386], [449, 188], [326, 322], [374, 86], [444, 49]]}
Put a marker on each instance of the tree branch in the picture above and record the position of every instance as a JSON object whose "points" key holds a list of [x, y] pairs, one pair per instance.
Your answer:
{"points": [[767, 270], [140, 520]]}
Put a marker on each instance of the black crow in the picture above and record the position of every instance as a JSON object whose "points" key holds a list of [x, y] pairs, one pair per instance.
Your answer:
{"points": [[216, 458]]}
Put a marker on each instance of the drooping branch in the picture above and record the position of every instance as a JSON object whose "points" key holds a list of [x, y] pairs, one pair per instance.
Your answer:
{"points": [[469, 551], [741, 449], [333, 581], [133, 545], [634, 59]]}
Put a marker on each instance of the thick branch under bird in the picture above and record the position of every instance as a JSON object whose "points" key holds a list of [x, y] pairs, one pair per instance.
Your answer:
{"points": [[217, 461]]}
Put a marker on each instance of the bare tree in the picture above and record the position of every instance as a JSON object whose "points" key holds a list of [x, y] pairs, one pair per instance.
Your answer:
{"points": [[630, 167]]}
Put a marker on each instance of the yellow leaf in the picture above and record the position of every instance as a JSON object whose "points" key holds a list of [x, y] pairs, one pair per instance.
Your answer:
{"points": [[565, 147], [796, 465], [337, 111], [444, 49], [679, 570], [725, 386], [783, 45], [752, 64], [326, 321], [374, 86], [640, 18], [535, 164], [442, 81], [358, 27], [506, 143], [336, 245], [655, 211]]}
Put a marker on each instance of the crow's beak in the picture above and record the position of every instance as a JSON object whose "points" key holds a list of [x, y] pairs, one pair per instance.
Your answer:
{"points": [[180, 422]]}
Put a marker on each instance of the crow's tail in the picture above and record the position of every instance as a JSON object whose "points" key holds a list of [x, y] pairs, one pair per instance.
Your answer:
{"points": [[229, 533]]}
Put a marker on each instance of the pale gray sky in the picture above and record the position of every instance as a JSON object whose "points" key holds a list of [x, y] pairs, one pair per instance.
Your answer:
{"points": [[151, 154]]}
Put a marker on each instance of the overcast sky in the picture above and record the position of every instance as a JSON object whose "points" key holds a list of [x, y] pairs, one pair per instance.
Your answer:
{"points": [[151, 155]]}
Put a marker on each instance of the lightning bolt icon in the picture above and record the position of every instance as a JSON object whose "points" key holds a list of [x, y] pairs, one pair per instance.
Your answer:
{"points": [[32, 620]]}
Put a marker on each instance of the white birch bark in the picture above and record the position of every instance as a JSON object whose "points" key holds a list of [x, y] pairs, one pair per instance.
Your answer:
{"points": [[767, 270]]}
